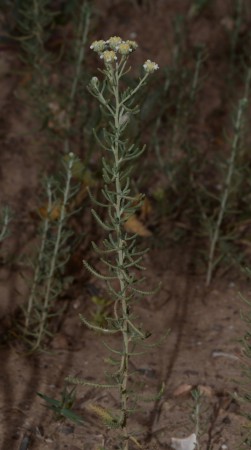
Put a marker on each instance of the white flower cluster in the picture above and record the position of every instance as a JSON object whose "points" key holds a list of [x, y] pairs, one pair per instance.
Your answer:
{"points": [[108, 49]]}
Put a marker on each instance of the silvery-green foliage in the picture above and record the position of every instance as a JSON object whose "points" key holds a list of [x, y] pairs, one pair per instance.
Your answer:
{"points": [[53, 253], [215, 224], [121, 259]]}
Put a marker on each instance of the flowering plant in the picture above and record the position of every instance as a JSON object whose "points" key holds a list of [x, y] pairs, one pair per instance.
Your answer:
{"points": [[119, 254]]}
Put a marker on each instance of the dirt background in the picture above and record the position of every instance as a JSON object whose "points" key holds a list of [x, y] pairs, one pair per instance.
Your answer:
{"points": [[203, 347]]}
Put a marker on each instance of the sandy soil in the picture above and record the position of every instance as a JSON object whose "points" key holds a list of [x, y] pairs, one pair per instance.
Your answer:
{"points": [[202, 349]]}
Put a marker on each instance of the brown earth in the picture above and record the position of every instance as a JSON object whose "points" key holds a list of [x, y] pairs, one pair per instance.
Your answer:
{"points": [[202, 348]]}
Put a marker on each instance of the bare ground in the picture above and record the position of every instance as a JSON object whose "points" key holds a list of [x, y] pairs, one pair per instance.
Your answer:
{"points": [[202, 348]]}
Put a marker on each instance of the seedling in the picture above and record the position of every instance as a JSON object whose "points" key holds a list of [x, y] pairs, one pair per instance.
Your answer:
{"points": [[62, 408]]}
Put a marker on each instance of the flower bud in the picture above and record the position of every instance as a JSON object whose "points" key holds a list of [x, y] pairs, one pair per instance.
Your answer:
{"points": [[94, 83]]}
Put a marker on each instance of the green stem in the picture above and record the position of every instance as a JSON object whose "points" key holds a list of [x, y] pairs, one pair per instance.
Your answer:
{"points": [[82, 29], [132, 93], [197, 422], [228, 181], [83, 24], [54, 257], [40, 258], [120, 271]]}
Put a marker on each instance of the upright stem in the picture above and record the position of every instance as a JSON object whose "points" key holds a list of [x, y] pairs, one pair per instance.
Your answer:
{"points": [[118, 107], [40, 258], [228, 181], [82, 29], [53, 262], [120, 270]]}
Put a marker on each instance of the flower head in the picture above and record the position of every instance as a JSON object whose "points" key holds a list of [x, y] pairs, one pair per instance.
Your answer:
{"points": [[98, 46], [133, 44], [150, 66], [108, 56], [114, 42], [124, 48]]}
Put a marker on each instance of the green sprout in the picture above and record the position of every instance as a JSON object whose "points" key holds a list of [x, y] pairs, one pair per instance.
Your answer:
{"points": [[62, 407]]}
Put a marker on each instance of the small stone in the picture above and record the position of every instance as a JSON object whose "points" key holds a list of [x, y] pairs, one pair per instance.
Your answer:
{"points": [[189, 443]]}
